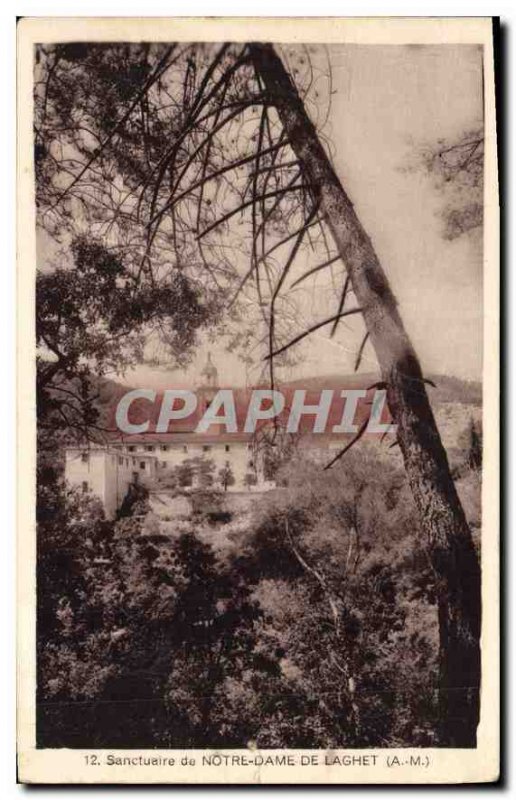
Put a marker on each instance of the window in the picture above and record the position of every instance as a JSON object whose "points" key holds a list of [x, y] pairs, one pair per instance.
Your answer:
{"points": [[185, 448], [142, 464], [206, 448], [120, 460], [131, 448], [163, 463], [164, 448], [85, 458], [149, 448], [249, 446], [85, 486], [126, 462], [227, 448]]}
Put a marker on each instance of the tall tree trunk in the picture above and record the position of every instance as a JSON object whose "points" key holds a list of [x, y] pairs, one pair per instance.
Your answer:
{"points": [[449, 539]]}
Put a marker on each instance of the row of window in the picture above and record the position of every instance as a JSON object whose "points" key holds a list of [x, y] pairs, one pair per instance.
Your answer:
{"points": [[85, 457], [150, 448]]}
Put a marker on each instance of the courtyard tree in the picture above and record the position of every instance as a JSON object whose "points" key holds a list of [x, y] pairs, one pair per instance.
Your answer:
{"points": [[210, 161], [250, 479], [185, 474], [226, 476], [203, 470]]}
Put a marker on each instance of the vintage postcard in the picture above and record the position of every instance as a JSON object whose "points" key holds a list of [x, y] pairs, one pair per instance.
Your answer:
{"points": [[258, 401]]}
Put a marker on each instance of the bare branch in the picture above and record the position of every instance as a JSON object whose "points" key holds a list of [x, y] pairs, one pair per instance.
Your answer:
{"points": [[313, 329], [350, 444], [315, 269], [281, 192], [341, 305], [361, 351]]}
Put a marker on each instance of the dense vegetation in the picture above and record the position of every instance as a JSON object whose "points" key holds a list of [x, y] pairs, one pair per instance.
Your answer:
{"points": [[317, 627]]}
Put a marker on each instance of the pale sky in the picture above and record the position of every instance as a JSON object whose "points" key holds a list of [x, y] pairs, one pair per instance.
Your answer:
{"points": [[415, 94], [388, 100]]}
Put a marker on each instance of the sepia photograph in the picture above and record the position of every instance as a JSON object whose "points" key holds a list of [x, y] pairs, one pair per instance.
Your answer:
{"points": [[261, 317]]}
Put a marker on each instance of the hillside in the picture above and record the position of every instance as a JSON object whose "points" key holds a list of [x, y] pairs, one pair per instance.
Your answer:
{"points": [[447, 388]]}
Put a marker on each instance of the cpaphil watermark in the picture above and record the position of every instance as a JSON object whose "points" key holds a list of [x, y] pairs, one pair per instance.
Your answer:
{"points": [[322, 411]]}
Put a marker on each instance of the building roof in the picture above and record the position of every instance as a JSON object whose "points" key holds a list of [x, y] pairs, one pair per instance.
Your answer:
{"points": [[182, 437]]}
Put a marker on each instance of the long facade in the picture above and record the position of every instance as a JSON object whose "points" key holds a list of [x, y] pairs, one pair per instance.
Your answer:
{"points": [[225, 461]]}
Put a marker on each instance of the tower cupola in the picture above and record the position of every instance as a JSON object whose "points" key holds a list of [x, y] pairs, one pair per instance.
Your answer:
{"points": [[209, 374]]}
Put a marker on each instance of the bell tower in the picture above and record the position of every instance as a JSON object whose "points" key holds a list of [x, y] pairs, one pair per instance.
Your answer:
{"points": [[209, 384]]}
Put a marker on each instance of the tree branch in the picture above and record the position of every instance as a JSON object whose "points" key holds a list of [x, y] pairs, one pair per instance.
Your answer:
{"points": [[312, 330]]}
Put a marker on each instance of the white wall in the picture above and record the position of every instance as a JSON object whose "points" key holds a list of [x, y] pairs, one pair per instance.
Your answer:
{"points": [[239, 456], [107, 473], [90, 472]]}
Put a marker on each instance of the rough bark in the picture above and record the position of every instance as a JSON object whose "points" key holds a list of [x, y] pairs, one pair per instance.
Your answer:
{"points": [[448, 538]]}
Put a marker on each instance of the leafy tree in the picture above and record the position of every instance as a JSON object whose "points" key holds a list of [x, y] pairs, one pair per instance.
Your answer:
{"points": [[475, 448], [275, 447], [203, 469], [80, 335], [135, 500], [250, 479], [457, 169], [471, 441], [226, 476], [185, 473]]}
